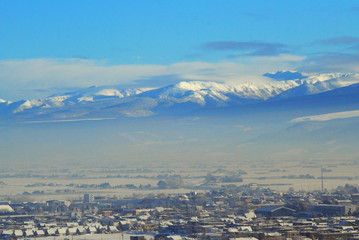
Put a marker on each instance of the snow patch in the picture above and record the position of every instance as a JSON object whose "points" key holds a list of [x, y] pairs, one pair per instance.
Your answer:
{"points": [[28, 104], [85, 99], [57, 101], [110, 93], [198, 91]]}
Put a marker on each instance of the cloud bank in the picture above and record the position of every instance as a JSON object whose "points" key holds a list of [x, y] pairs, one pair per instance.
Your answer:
{"points": [[342, 40], [34, 78]]}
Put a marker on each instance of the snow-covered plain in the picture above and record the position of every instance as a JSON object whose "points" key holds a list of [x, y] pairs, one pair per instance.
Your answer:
{"points": [[328, 116], [275, 174]]}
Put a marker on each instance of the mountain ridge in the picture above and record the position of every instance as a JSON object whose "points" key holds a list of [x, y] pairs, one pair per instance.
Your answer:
{"points": [[182, 96]]}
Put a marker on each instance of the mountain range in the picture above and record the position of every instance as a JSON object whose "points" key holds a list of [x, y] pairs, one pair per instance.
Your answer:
{"points": [[185, 97]]}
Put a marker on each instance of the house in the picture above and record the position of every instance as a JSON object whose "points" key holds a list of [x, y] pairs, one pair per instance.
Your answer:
{"points": [[71, 231], [39, 233], [72, 224], [81, 230], [245, 229], [18, 233], [51, 231], [7, 232], [102, 230], [174, 237], [273, 236], [61, 231], [91, 230], [113, 229], [28, 233]]}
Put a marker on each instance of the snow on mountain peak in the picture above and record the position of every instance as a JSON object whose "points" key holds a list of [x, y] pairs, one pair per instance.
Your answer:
{"points": [[121, 93], [328, 76], [203, 93], [58, 100], [2, 101], [109, 93], [55, 101], [329, 81], [28, 104], [85, 99], [199, 85], [198, 91]]}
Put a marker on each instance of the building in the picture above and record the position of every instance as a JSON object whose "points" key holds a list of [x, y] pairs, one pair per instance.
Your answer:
{"points": [[329, 209], [274, 211], [88, 198]]}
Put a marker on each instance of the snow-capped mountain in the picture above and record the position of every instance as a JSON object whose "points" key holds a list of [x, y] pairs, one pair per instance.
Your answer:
{"points": [[82, 96], [320, 83], [220, 94], [184, 96]]}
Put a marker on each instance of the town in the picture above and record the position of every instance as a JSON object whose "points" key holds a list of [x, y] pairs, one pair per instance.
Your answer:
{"points": [[249, 211]]}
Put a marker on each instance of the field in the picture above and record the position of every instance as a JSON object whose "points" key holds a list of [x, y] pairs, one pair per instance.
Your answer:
{"points": [[123, 182]]}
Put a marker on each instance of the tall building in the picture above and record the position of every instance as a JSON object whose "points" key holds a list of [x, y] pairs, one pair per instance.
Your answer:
{"points": [[88, 198]]}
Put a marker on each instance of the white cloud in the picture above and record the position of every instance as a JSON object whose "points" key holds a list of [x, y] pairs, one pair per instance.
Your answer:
{"points": [[44, 73], [72, 120], [22, 78], [331, 62], [284, 58]]}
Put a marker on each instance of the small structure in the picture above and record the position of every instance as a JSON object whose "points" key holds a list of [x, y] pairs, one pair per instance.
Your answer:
{"points": [[102, 230], [18, 233], [7, 232], [113, 229], [51, 231], [71, 231], [91, 230], [61, 231], [81, 230], [28, 233], [39, 233]]}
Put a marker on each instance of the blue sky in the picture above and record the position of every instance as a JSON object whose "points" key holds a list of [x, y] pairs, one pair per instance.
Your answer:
{"points": [[55, 44]]}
